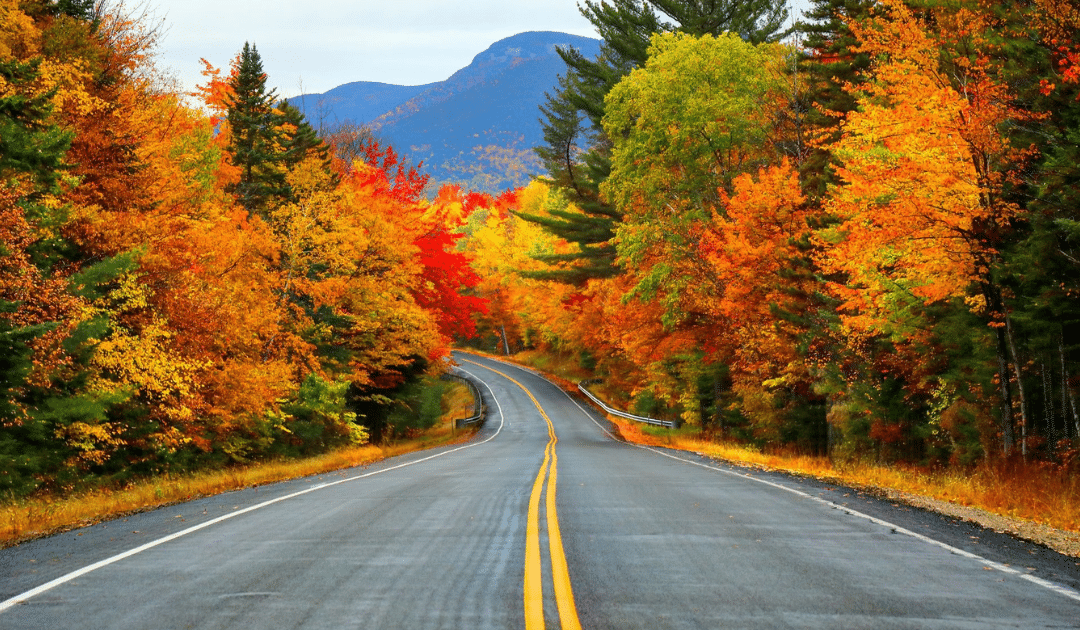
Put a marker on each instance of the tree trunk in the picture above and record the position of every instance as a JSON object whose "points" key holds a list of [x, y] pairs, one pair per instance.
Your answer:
{"points": [[1066, 389], [1019, 382], [506, 344], [1049, 413], [1006, 395]]}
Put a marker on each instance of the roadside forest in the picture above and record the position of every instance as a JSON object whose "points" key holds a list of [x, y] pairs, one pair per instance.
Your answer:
{"points": [[858, 236], [196, 281]]}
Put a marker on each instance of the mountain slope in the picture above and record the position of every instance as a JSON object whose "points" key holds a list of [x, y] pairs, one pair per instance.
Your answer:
{"points": [[477, 127], [361, 101]]}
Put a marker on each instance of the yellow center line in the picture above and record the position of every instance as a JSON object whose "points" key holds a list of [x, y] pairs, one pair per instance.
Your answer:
{"points": [[560, 576], [534, 589]]}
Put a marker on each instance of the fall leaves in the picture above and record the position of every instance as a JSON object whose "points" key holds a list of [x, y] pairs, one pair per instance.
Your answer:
{"points": [[852, 279], [894, 275], [157, 314]]}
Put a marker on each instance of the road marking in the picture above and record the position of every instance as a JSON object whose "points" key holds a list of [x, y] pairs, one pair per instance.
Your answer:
{"points": [[1044, 583], [534, 581], [48, 586], [560, 575], [1047, 584]]}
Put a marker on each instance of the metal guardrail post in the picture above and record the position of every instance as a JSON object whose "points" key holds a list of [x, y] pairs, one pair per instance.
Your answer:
{"points": [[478, 402], [670, 424]]}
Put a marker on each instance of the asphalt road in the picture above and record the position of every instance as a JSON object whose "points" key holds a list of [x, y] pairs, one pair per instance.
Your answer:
{"points": [[543, 520]]}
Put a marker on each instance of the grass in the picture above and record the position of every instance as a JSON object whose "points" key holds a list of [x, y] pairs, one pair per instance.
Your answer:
{"points": [[26, 519], [1039, 492], [458, 402]]}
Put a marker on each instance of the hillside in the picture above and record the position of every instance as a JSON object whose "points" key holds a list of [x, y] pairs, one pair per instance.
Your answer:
{"points": [[478, 126], [361, 101]]}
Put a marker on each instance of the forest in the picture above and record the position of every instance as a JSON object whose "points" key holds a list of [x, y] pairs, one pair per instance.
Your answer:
{"points": [[856, 235], [193, 281]]}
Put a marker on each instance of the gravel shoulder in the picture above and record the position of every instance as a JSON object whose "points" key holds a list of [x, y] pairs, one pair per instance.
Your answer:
{"points": [[1060, 540]]}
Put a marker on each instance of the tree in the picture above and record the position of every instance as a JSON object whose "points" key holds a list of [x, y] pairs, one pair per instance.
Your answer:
{"points": [[254, 132], [688, 122], [830, 63], [626, 26], [299, 140], [926, 169]]}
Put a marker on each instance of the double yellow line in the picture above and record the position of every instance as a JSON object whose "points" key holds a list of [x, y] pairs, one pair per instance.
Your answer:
{"points": [[534, 590]]}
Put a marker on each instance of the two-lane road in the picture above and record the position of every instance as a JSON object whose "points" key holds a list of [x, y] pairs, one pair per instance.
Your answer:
{"points": [[542, 520]]}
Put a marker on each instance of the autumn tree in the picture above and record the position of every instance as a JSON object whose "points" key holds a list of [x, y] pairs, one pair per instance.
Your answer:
{"points": [[626, 26], [924, 206], [689, 121]]}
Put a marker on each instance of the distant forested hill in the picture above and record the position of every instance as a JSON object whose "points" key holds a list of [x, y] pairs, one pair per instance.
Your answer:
{"points": [[477, 127]]}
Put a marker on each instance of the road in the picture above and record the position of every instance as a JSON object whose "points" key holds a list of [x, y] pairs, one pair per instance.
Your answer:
{"points": [[543, 520]]}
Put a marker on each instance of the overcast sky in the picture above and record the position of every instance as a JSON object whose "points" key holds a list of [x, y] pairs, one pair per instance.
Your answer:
{"points": [[321, 44]]}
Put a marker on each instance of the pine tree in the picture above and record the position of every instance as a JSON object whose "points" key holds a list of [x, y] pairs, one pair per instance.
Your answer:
{"points": [[254, 133], [30, 148], [33, 299], [627, 27], [299, 139], [830, 64], [80, 9]]}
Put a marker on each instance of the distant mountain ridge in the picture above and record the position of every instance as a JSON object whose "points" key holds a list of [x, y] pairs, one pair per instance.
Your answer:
{"points": [[477, 127]]}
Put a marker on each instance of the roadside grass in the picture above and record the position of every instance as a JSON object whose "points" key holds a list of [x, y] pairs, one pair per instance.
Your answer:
{"points": [[1035, 491], [26, 519], [565, 368]]}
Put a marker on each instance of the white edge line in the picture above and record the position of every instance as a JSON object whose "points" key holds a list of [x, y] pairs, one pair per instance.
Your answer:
{"points": [[48, 586], [1047, 584]]}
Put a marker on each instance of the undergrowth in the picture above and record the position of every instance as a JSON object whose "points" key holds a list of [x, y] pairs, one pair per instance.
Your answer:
{"points": [[1035, 491], [27, 518]]}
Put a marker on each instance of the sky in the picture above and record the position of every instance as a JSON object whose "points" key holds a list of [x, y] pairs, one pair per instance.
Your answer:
{"points": [[311, 46]]}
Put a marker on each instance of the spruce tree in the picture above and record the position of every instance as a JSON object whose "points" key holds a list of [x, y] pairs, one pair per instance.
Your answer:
{"points": [[829, 63], [254, 133], [578, 158], [29, 146], [33, 297], [80, 9], [298, 141]]}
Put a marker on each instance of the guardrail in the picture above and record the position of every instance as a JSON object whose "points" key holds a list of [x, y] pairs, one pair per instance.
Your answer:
{"points": [[670, 424], [478, 402]]}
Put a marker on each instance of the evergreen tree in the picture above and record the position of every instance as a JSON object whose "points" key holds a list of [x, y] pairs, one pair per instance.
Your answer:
{"points": [[577, 158], [30, 148], [298, 141], [34, 301], [79, 9], [829, 64], [255, 147]]}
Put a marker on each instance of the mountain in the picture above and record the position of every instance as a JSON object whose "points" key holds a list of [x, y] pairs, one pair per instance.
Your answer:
{"points": [[477, 127], [362, 101]]}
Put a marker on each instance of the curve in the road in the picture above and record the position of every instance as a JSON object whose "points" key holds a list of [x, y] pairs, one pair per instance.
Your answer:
{"points": [[989, 564], [560, 575]]}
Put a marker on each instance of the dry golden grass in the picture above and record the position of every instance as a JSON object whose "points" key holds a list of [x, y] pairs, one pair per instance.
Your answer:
{"points": [[1037, 492], [457, 403], [32, 518]]}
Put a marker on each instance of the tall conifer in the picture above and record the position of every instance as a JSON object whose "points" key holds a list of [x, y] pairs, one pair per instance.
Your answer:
{"points": [[830, 64], [254, 129]]}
